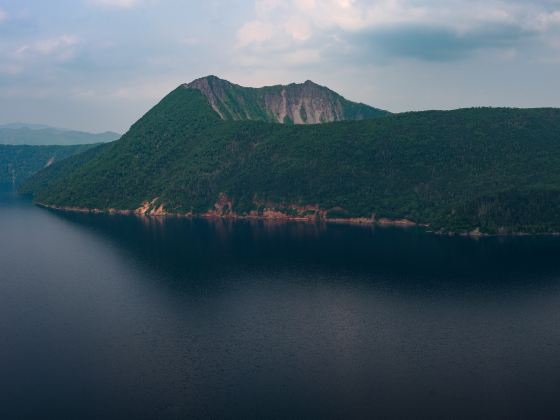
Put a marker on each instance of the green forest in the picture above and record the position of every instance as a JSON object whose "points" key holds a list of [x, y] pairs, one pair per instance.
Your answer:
{"points": [[17, 163], [492, 169]]}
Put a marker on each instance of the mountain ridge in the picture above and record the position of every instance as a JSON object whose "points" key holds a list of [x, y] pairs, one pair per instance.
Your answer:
{"points": [[18, 134], [295, 103]]}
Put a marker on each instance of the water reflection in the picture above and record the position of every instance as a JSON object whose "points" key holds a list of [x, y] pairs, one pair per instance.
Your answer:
{"points": [[409, 257], [114, 316]]}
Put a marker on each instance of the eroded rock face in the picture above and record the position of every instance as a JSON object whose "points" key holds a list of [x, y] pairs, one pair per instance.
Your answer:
{"points": [[305, 103], [151, 208]]}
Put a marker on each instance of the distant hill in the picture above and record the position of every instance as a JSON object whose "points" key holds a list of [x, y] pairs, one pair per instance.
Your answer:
{"points": [[17, 125], [41, 135], [306, 103], [480, 169], [17, 163]]}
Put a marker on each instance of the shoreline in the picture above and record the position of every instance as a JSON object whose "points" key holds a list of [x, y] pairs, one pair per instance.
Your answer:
{"points": [[270, 216], [276, 216]]}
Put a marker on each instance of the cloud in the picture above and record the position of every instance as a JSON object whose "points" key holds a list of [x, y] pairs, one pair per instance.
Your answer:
{"points": [[35, 59], [435, 43], [3, 15], [396, 54], [389, 29], [254, 32], [61, 47], [115, 4], [548, 20]]}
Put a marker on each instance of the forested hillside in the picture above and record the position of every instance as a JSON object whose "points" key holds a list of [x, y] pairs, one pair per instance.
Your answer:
{"points": [[496, 170], [17, 163]]}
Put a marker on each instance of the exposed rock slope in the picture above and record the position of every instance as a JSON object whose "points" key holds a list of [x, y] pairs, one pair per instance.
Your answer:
{"points": [[306, 103]]}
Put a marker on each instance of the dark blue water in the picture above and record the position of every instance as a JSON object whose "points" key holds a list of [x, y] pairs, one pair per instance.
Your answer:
{"points": [[123, 317]]}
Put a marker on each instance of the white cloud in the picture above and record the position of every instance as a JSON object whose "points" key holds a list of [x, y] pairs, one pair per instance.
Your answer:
{"points": [[3, 15], [61, 47], [294, 25], [298, 28], [115, 4], [254, 32], [41, 55], [547, 20], [355, 15]]}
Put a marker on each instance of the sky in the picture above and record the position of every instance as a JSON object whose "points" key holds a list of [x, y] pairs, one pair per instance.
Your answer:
{"points": [[99, 65]]}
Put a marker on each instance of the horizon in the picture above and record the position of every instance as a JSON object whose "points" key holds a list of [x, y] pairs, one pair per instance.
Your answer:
{"points": [[4, 124], [99, 65]]}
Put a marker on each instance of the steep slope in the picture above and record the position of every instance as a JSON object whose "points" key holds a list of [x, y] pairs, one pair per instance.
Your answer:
{"points": [[497, 170], [35, 135], [17, 163], [306, 103]]}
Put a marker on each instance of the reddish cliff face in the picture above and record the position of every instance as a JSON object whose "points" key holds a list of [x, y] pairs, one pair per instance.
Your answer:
{"points": [[306, 103]]}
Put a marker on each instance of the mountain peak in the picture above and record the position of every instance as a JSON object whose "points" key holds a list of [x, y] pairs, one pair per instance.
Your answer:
{"points": [[206, 79], [296, 103]]}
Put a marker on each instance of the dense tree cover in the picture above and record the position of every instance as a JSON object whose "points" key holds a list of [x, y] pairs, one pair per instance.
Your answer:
{"points": [[497, 170], [18, 163]]}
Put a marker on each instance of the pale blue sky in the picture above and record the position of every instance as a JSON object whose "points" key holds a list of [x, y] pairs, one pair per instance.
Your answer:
{"points": [[100, 64]]}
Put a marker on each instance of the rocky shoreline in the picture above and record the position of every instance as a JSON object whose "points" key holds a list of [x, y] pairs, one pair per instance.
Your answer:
{"points": [[270, 215], [148, 209]]}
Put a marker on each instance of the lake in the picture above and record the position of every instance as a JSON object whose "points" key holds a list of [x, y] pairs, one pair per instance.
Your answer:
{"points": [[126, 317]]}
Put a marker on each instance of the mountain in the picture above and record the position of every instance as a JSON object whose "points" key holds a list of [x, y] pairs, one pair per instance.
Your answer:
{"points": [[39, 135], [481, 169], [17, 163], [306, 103], [17, 125]]}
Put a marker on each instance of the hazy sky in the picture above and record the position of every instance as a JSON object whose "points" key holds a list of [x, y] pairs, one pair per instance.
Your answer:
{"points": [[100, 64]]}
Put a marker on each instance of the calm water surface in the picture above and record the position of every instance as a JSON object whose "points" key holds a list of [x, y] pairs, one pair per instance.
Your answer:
{"points": [[123, 317]]}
